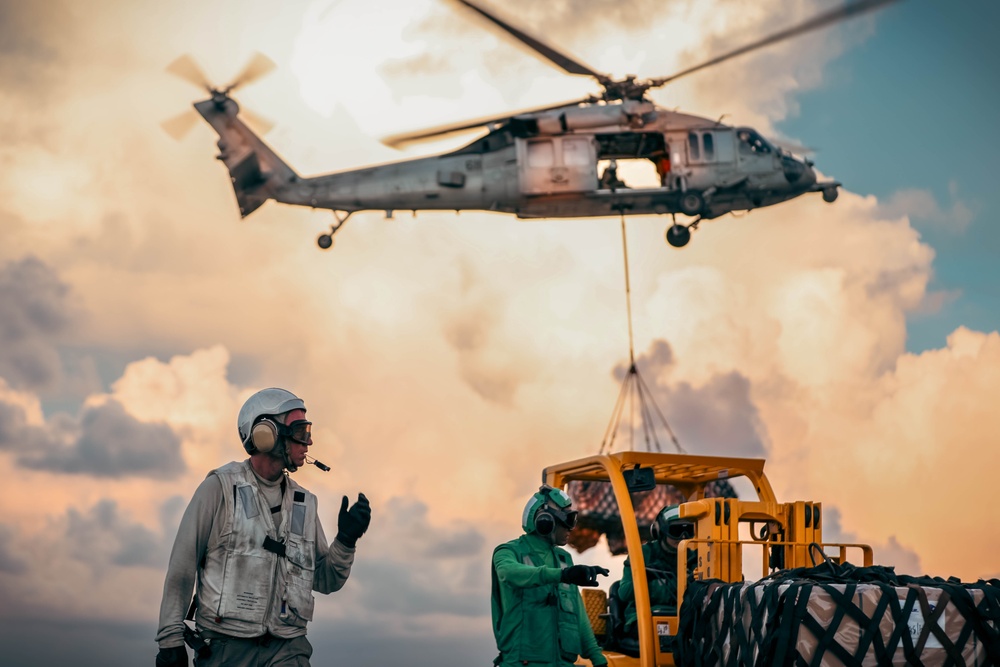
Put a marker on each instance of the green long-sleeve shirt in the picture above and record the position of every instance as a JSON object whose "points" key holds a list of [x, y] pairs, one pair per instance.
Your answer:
{"points": [[661, 577], [535, 617]]}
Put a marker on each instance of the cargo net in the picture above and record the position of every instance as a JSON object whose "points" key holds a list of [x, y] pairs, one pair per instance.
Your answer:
{"points": [[840, 615], [599, 514]]}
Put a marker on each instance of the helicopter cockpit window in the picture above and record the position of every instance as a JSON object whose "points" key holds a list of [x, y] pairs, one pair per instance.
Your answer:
{"points": [[752, 143], [694, 148]]}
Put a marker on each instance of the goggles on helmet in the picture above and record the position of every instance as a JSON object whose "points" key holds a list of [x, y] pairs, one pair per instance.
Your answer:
{"points": [[566, 518], [680, 530], [299, 431]]}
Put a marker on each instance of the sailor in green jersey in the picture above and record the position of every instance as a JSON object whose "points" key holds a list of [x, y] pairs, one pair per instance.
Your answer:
{"points": [[660, 555], [538, 614]]}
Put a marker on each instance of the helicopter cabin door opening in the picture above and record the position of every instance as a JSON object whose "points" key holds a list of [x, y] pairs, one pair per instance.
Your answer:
{"points": [[633, 160], [554, 165]]}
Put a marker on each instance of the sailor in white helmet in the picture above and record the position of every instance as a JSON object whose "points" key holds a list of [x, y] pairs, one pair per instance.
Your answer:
{"points": [[252, 542]]}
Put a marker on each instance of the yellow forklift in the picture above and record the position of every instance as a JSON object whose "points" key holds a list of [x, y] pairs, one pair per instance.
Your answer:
{"points": [[788, 535]]}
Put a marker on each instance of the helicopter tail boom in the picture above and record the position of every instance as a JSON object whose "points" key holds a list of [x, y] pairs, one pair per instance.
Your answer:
{"points": [[256, 171]]}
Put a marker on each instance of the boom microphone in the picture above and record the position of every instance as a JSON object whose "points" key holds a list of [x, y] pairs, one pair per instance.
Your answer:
{"points": [[319, 464]]}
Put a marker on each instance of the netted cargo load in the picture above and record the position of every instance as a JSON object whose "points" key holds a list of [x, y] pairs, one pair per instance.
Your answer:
{"points": [[599, 514], [840, 615]]}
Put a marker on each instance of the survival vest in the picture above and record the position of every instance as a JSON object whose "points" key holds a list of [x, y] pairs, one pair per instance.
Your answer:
{"points": [[541, 622], [259, 573]]}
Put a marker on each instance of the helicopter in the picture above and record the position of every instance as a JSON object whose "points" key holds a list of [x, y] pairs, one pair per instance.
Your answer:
{"points": [[543, 162]]}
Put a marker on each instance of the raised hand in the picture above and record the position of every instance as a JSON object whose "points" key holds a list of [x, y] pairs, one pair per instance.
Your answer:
{"points": [[352, 523]]}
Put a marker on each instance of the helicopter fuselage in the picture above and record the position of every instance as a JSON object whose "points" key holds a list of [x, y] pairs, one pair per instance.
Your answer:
{"points": [[560, 161], [551, 164]]}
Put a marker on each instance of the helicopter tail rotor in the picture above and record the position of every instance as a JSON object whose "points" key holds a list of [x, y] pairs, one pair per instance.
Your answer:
{"points": [[186, 68]]}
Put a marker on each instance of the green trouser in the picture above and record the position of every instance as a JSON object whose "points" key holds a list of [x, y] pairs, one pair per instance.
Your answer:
{"points": [[266, 651]]}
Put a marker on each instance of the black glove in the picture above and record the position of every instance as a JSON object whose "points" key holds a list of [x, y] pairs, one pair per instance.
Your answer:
{"points": [[582, 575], [353, 522], [175, 656]]}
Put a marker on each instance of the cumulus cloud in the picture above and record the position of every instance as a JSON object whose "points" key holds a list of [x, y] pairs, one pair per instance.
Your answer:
{"points": [[36, 311], [891, 552], [474, 330], [103, 537], [718, 416], [571, 20], [87, 551], [12, 424], [923, 206], [922, 433], [445, 570], [10, 561], [27, 55], [106, 441], [559, 24]]}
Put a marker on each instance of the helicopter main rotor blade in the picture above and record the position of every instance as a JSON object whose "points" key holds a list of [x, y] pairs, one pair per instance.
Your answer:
{"points": [[258, 66], [406, 138], [179, 126], [561, 60], [792, 147], [815, 23], [186, 68]]}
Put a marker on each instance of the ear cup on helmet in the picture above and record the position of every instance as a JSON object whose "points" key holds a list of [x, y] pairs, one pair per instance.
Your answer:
{"points": [[544, 523], [264, 436]]}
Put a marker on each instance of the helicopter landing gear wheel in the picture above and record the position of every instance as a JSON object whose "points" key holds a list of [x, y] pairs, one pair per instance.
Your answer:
{"points": [[692, 203], [678, 235], [325, 241], [830, 195]]}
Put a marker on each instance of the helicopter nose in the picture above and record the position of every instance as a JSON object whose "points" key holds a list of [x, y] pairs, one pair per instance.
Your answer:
{"points": [[797, 172], [809, 177]]}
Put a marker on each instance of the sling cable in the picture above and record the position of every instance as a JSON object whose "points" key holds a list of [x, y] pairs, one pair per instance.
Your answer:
{"points": [[635, 393]]}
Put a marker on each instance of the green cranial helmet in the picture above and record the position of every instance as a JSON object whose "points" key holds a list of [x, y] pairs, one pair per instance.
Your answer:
{"points": [[545, 509], [668, 524]]}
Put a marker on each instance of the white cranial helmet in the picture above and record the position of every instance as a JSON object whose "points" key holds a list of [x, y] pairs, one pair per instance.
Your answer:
{"points": [[266, 402]]}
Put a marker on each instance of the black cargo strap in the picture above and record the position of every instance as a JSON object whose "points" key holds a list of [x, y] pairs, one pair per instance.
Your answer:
{"points": [[274, 546], [284, 483], [763, 623], [192, 637]]}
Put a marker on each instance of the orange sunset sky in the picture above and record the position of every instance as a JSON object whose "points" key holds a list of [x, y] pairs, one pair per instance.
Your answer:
{"points": [[445, 359]]}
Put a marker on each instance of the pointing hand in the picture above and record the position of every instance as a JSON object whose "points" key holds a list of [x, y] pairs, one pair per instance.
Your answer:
{"points": [[582, 575]]}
